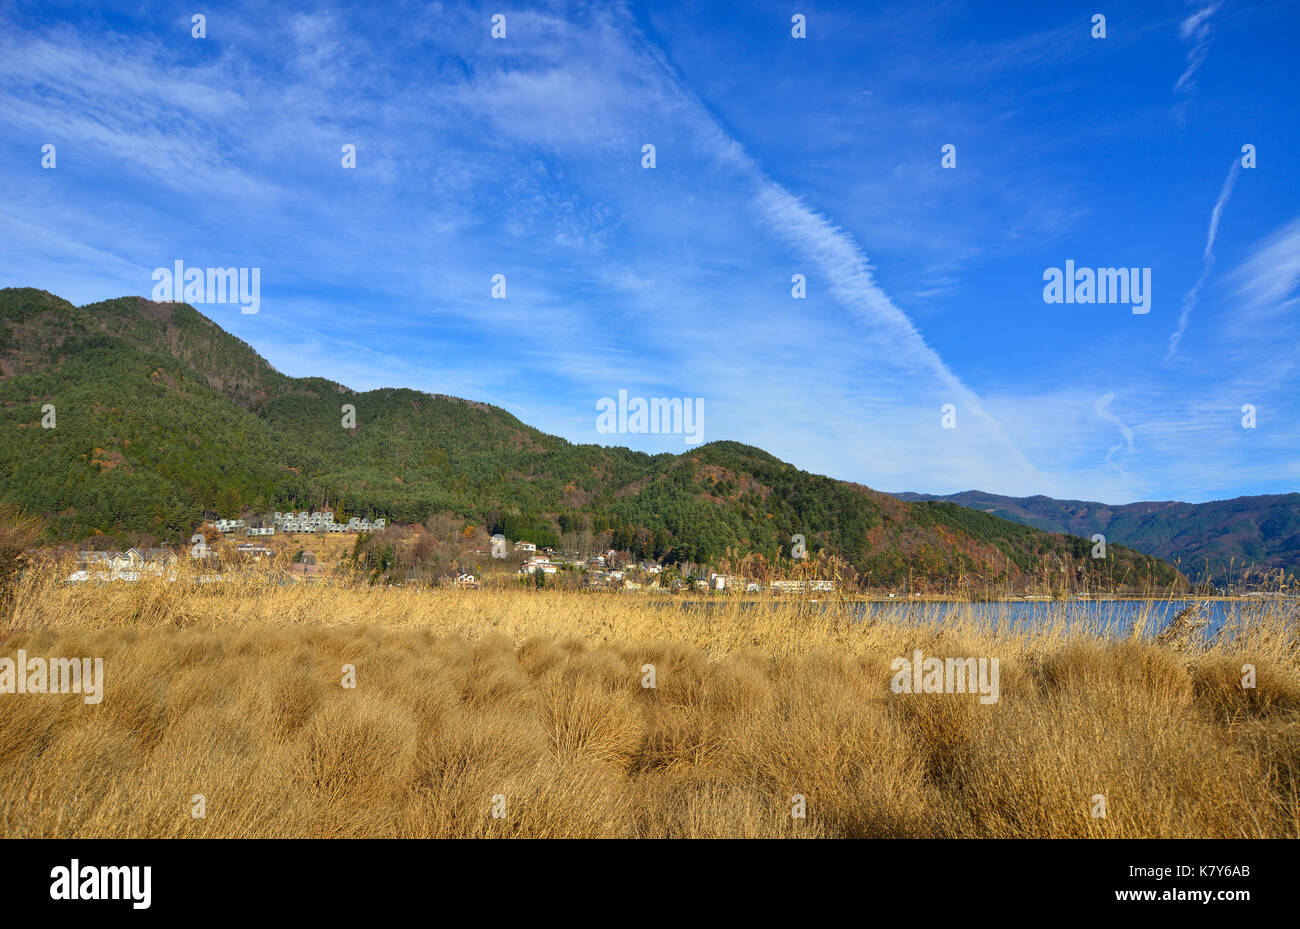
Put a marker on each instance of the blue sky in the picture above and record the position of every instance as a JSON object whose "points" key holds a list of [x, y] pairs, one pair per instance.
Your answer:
{"points": [[775, 156]]}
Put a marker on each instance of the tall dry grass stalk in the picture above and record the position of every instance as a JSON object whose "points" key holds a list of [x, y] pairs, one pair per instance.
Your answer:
{"points": [[233, 691]]}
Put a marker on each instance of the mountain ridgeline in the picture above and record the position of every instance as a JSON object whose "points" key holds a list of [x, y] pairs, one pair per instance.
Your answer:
{"points": [[1224, 540], [159, 415]]}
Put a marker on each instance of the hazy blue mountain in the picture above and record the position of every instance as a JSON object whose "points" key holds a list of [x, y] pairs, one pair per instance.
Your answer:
{"points": [[1234, 535]]}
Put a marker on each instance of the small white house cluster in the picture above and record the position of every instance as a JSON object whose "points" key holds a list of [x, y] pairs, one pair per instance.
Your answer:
{"points": [[816, 586], [323, 521], [129, 565], [539, 563], [234, 526]]}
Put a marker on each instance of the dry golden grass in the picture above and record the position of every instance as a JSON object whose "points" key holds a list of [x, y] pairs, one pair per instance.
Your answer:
{"points": [[233, 691]]}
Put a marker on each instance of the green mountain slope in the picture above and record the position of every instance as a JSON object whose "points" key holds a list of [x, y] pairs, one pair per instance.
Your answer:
{"points": [[1223, 537], [162, 415]]}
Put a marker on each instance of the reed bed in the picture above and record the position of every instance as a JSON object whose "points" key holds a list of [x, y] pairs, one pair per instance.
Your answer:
{"points": [[524, 713]]}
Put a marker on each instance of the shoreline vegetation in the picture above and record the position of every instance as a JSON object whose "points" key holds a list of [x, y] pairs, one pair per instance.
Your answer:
{"points": [[533, 704]]}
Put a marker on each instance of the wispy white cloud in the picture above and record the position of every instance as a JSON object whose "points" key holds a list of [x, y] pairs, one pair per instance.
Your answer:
{"points": [[1196, 30], [1268, 282], [1102, 408], [1207, 259]]}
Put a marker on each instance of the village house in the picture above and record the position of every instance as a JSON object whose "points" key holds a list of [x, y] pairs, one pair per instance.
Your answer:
{"points": [[725, 582], [537, 563], [122, 566], [307, 565], [126, 563], [162, 557]]}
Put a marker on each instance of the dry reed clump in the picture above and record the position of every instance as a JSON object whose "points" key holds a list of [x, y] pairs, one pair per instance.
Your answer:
{"points": [[818, 738], [1128, 667], [532, 705], [1217, 684]]}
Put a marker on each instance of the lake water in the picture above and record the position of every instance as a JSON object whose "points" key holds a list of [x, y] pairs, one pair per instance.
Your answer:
{"points": [[1112, 618]]}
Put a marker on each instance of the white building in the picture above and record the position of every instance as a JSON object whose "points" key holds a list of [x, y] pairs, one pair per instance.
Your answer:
{"points": [[129, 565], [323, 521], [801, 586], [725, 582]]}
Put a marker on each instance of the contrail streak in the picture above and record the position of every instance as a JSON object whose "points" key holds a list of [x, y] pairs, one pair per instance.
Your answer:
{"points": [[1207, 259]]}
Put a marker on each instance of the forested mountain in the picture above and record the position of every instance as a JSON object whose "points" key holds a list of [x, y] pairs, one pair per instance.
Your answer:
{"points": [[160, 415], [1225, 537]]}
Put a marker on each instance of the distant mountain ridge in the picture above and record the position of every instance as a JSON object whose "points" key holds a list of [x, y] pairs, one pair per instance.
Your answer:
{"points": [[1230, 536], [160, 415]]}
